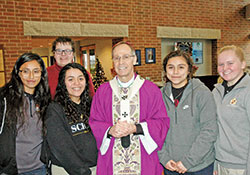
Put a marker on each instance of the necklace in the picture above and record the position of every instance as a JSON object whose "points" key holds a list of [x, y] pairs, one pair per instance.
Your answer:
{"points": [[177, 93], [176, 100]]}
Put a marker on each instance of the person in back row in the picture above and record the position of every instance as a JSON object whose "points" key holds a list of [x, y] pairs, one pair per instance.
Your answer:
{"points": [[63, 49], [189, 145], [232, 98]]}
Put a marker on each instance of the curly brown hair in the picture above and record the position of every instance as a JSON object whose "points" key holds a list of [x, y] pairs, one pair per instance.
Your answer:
{"points": [[62, 95]]}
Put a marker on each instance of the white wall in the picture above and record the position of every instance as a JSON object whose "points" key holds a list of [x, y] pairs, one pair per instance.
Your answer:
{"points": [[41, 51]]}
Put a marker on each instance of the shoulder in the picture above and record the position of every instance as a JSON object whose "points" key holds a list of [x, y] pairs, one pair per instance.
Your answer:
{"points": [[104, 88], [149, 86], [54, 112], [201, 91], [54, 106], [150, 90], [199, 86], [51, 69], [246, 81]]}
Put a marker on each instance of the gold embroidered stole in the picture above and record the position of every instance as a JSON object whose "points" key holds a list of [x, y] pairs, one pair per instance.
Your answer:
{"points": [[126, 106]]}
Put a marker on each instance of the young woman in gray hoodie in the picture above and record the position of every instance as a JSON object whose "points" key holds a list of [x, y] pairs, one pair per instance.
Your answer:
{"points": [[189, 145]]}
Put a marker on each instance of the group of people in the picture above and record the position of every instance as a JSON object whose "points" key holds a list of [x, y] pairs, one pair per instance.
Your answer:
{"points": [[52, 121]]}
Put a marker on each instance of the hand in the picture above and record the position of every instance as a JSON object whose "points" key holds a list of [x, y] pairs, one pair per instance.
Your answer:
{"points": [[129, 128], [215, 173], [180, 168], [171, 165], [121, 129]]}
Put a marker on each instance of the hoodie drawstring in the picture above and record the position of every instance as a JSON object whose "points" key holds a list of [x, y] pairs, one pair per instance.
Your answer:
{"points": [[4, 112]]}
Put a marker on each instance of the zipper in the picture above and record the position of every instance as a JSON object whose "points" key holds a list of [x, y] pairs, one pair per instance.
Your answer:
{"points": [[30, 103], [168, 107], [175, 115]]}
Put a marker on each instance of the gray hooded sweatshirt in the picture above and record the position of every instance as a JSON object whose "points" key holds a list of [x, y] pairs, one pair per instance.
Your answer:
{"points": [[193, 127], [233, 143]]}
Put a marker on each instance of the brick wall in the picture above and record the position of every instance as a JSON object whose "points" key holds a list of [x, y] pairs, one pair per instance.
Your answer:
{"points": [[142, 16]]}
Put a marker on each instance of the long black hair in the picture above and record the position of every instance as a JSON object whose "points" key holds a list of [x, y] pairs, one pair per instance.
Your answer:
{"points": [[62, 95], [13, 91]]}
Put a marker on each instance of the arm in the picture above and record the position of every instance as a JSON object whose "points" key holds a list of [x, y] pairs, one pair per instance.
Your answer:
{"points": [[100, 119], [204, 142], [164, 157], [247, 102], [163, 154], [61, 144], [154, 114]]}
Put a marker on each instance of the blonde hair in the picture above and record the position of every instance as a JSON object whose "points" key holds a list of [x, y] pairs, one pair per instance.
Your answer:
{"points": [[237, 50]]}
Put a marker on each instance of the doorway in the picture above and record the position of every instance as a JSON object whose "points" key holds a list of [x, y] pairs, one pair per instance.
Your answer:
{"points": [[88, 57]]}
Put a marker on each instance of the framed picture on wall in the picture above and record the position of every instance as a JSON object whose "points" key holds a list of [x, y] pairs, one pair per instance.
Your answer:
{"points": [[138, 55], [150, 55], [197, 52]]}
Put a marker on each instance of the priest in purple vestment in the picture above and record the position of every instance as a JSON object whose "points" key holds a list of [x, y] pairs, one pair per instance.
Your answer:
{"points": [[128, 119]]}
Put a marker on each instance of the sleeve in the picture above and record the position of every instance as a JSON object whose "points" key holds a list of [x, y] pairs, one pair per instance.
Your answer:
{"points": [[155, 117], [163, 155], [61, 144], [99, 116], [247, 98], [204, 142], [91, 86], [105, 143]]}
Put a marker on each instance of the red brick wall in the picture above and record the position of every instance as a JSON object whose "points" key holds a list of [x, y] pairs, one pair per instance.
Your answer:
{"points": [[142, 16]]}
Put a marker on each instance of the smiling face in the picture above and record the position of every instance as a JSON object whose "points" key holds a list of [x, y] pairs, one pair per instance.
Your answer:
{"points": [[75, 84], [62, 54], [124, 62], [177, 71], [30, 75], [230, 67]]}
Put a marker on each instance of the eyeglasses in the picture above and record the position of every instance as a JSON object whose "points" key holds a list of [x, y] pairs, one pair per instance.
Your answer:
{"points": [[26, 72], [123, 57], [66, 51]]}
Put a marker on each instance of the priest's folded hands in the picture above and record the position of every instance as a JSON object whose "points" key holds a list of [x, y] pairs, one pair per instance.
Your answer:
{"points": [[121, 129]]}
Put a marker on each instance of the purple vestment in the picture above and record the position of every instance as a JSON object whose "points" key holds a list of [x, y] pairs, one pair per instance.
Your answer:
{"points": [[152, 111]]}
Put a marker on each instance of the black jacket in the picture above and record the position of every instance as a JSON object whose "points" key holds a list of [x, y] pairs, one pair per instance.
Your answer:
{"points": [[7, 144], [70, 146]]}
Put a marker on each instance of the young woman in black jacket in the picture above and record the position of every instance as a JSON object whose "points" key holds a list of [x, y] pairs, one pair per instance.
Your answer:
{"points": [[72, 145], [23, 102]]}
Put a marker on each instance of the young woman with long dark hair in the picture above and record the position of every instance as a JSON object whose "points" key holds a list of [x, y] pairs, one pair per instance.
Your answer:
{"points": [[23, 102], [70, 140]]}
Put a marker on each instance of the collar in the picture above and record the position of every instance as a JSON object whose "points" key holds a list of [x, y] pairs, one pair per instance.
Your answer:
{"points": [[127, 84], [229, 88], [30, 96], [59, 68]]}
